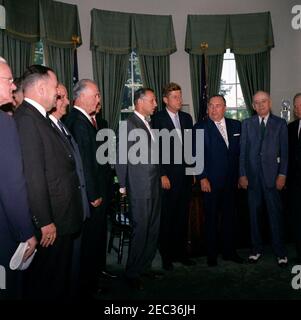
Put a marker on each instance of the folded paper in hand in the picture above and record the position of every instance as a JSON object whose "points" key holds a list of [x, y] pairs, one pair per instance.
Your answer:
{"points": [[16, 262]]}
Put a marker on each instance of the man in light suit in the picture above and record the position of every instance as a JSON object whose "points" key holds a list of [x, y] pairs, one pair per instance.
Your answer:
{"points": [[15, 219], [52, 183], [175, 183], [294, 174], [87, 97], [141, 181], [263, 169], [219, 179]]}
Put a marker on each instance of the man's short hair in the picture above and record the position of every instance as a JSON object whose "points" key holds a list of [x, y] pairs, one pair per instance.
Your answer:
{"points": [[140, 93], [297, 95], [172, 86], [34, 73], [80, 86], [218, 96]]}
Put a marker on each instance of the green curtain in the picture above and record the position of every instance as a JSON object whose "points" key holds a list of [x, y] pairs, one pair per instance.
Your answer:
{"points": [[215, 66], [60, 34], [110, 70], [111, 43], [195, 62], [254, 74], [155, 71], [61, 61], [18, 39], [250, 38], [214, 70], [155, 41], [116, 35], [17, 53]]}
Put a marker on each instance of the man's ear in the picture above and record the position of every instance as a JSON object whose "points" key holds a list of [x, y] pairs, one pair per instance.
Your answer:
{"points": [[165, 100], [40, 88]]}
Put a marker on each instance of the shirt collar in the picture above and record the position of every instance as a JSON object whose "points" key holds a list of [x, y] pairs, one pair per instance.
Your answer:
{"points": [[140, 116], [265, 118], [222, 122], [172, 114], [37, 106]]}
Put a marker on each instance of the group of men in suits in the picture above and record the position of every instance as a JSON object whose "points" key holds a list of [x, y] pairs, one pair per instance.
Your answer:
{"points": [[257, 154], [52, 169]]}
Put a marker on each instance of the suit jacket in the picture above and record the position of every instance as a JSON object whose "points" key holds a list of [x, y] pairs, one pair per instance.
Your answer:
{"points": [[294, 167], [220, 162], [141, 180], [50, 173], [162, 120], [273, 156], [85, 135], [79, 169], [15, 219]]}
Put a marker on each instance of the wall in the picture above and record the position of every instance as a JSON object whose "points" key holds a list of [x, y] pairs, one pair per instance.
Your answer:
{"points": [[285, 62]]}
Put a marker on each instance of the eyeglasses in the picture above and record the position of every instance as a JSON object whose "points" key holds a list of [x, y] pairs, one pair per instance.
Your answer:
{"points": [[10, 80]]}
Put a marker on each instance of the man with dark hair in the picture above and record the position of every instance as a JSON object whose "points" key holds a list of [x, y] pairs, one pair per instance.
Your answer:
{"points": [[15, 220], [53, 185], [176, 185], [294, 173], [219, 179], [263, 169], [141, 181]]}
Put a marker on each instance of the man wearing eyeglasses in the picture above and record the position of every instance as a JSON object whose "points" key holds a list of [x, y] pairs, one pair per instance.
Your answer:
{"points": [[15, 220]]}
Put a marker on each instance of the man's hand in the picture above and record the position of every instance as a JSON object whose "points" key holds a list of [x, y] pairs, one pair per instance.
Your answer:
{"points": [[205, 185], [165, 183], [280, 182], [32, 243], [48, 235], [96, 203], [243, 182]]}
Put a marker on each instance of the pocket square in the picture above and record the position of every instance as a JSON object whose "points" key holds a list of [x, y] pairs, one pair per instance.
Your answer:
{"points": [[236, 134]]}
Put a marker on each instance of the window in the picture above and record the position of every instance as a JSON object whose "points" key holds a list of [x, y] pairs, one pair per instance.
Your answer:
{"points": [[230, 88], [39, 53], [133, 83]]}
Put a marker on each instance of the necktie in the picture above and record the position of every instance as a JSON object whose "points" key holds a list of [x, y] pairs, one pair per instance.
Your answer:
{"points": [[148, 125], [178, 125], [262, 128], [222, 132], [64, 131], [94, 122]]}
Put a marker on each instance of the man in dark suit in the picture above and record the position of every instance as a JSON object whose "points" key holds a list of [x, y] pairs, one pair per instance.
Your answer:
{"points": [[55, 116], [175, 183], [294, 174], [263, 169], [53, 186], [15, 220], [141, 181], [219, 179], [86, 97]]}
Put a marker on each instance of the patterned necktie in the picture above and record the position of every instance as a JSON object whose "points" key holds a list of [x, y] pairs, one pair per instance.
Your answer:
{"points": [[94, 122], [222, 132]]}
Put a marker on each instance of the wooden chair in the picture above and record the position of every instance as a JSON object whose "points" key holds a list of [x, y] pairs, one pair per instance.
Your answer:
{"points": [[120, 225]]}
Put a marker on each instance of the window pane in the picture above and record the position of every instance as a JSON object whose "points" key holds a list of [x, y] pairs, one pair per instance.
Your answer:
{"points": [[240, 98], [229, 70], [228, 55]]}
